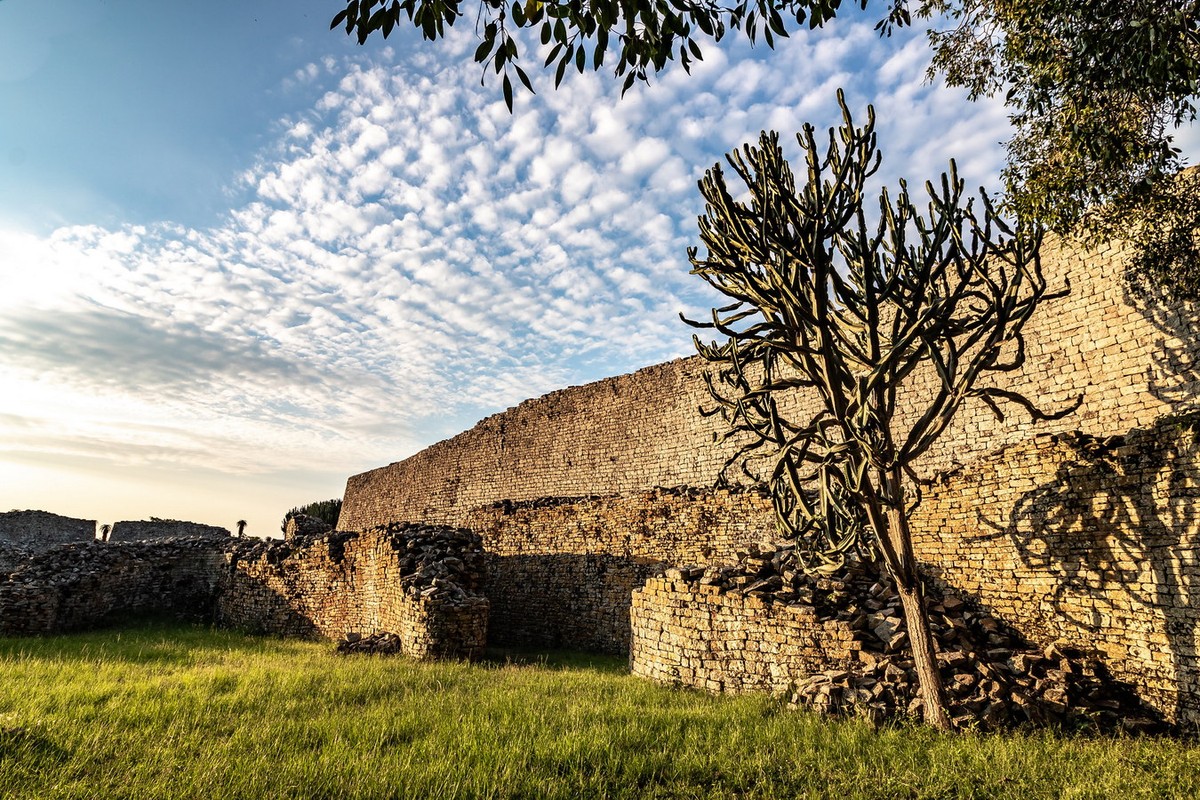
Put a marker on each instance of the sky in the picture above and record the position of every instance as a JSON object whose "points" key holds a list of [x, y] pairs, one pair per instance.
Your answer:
{"points": [[243, 258]]}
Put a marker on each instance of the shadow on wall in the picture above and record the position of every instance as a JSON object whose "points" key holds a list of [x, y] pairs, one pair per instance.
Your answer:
{"points": [[249, 604], [564, 600], [1117, 528], [1173, 374], [82, 586]]}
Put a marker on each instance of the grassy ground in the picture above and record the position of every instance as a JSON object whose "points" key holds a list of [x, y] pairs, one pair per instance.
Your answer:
{"points": [[168, 711]]}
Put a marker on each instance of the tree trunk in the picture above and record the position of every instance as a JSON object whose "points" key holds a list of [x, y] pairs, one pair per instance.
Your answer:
{"points": [[916, 616], [920, 639]]}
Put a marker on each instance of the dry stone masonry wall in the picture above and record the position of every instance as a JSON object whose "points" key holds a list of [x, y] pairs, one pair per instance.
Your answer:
{"points": [[1086, 537], [561, 573], [1091, 541], [840, 645], [421, 583], [1133, 361], [417, 584], [24, 534], [146, 530], [696, 635], [81, 586], [621, 434]]}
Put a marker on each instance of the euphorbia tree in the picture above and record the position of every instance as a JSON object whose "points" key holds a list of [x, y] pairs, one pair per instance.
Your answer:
{"points": [[886, 319]]}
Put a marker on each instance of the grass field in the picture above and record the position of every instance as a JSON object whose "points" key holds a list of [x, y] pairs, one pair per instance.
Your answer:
{"points": [[168, 711]]}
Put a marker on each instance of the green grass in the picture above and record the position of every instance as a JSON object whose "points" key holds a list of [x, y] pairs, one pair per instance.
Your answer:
{"points": [[168, 711]]}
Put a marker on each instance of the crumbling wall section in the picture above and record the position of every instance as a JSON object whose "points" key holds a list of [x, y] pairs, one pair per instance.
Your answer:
{"points": [[84, 585], [422, 583]]}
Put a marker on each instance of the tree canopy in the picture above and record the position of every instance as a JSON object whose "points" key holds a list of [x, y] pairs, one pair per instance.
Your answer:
{"points": [[1094, 89]]}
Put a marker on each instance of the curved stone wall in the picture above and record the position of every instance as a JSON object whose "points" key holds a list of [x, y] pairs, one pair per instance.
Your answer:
{"points": [[1131, 361]]}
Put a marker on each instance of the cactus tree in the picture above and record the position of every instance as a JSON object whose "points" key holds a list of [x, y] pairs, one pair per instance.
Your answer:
{"points": [[864, 310]]}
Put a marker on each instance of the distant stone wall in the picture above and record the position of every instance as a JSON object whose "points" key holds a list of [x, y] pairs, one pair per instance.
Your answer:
{"points": [[32, 532], [561, 572], [81, 586], [419, 582], [1131, 361], [146, 530]]}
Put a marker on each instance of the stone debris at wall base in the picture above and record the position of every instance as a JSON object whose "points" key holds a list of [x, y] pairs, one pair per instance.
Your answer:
{"points": [[839, 646]]}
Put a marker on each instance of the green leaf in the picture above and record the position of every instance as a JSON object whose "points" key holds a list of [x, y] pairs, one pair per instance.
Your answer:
{"points": [[562, 68], [481, 52], [524, 78], [508, 93]]}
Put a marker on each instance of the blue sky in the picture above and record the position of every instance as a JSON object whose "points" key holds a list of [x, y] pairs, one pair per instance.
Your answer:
{"points": [[244, 258]]}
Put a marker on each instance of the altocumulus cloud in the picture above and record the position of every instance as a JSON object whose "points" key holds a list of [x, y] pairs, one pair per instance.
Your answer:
{"points": [[409, 256]]}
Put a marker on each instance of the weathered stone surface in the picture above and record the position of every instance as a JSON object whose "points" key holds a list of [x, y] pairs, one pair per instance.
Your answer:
{"points": [[1088, 541], [561, 571], [1015, 533], [146, 530], [1132, 361], [302, 526], [80, 586], [420, 583], [839, 646], [27, 533]]}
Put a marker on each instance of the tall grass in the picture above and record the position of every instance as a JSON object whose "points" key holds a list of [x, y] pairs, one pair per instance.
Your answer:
{"points": [[168, 711]]}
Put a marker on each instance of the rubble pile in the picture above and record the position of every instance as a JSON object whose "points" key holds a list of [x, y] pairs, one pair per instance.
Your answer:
{"points": [[993, 678], [376, 643], [433, 561]]}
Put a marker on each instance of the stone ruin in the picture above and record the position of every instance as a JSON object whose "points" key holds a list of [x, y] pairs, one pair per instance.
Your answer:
{"points": [[1062, 557], [24, 534], [152, 529], [421, 582]]}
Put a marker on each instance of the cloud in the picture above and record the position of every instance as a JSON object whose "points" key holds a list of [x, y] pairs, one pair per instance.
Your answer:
{"points": [[410, 256]]}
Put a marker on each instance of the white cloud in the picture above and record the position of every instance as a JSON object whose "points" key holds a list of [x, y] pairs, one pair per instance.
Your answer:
{"points": [[413, 255]]}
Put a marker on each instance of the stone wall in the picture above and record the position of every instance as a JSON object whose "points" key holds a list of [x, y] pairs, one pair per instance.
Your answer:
{"points": [[1089, 540], [1131, 361], [1071, 539], [724, 642], [38, 531], [81, 586], [561, 572], [620, 434], [418, 582], [146, 530]]}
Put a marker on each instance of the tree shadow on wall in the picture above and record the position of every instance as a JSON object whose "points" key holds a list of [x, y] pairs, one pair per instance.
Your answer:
{"points": [[1173, 374], [1123, 513]]}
